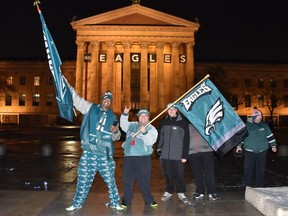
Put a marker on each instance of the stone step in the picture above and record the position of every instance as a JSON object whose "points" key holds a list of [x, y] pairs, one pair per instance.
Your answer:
{"points": [[271, 201]]}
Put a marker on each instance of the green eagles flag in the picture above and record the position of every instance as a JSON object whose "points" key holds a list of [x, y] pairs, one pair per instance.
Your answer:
{"points": [[63, 94], [214, 118]]}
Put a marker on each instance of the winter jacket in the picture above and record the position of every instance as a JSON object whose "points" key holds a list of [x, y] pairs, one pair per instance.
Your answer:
{"points": [[143, 142], [173, 139], [259, 137], [96, 136], [197, 142]]}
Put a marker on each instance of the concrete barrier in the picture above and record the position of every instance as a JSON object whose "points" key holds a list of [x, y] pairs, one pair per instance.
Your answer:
{"points": [[271, 201]]}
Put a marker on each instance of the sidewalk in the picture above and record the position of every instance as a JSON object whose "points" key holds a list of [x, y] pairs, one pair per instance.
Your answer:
{"points": [[47, 203], [31, 184]]}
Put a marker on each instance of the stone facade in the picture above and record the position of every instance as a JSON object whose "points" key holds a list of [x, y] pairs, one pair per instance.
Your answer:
{"points": [[146, 59], [233, 78]]}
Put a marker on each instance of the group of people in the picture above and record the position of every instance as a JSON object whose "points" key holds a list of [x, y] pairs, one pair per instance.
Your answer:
{"points": [[99, 129], [179, 142], [176, 140]]}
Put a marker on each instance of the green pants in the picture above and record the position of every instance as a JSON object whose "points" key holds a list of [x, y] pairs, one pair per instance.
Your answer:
{"points": [[88, 167]]}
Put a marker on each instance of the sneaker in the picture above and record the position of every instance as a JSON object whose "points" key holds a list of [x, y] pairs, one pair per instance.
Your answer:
{"points": [[198, 195], [213, 196], [154, 205], [123, 204], [118, 207], [166, 196], [182, 197], [72, 208]]}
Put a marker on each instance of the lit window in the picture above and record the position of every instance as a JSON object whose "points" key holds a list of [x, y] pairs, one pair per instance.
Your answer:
{"points": [[36, 99], [10, 81], [49, 99], [22, 97], [8, 100], [36, 81]]}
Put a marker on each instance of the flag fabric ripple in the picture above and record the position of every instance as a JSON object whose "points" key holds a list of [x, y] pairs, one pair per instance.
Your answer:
{"points": [[63, 94], [211, 114]]}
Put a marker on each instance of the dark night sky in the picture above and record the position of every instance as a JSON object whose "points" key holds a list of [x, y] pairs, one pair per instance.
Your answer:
{"points": [[231, 30]]}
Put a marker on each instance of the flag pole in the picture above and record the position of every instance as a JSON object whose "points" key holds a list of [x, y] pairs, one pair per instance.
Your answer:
{"points": [[206, 77]]}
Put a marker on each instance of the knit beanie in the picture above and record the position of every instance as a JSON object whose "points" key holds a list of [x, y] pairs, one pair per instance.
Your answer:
{"points": [[107, 95], [255, 113]]}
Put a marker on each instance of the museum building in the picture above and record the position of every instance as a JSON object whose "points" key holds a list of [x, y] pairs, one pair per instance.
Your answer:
{"points": [[146, 59]]}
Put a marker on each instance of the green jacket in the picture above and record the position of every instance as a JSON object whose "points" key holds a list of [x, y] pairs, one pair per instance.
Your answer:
{"points": [[259, 137]]}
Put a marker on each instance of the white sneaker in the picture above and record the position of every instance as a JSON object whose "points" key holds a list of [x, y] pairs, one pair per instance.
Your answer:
{"points": [[118, 207], [198, 195], [72, 208], [166, 196], [213, 196], [182, 197]]}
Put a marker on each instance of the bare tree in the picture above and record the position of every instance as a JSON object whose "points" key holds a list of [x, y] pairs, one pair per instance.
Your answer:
{"points": [[4, 87]]}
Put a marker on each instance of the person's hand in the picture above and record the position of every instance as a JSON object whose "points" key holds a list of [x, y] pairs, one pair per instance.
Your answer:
{"points": [[238, 150], [274, 149], [143, 129], [126, 110], [114, 128]]}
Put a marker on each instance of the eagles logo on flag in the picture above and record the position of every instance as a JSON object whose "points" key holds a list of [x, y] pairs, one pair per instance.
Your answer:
{"points": [[214, 118]]}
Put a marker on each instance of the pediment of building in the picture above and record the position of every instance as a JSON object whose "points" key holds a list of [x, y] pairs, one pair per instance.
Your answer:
{"points": [[134, 15]]}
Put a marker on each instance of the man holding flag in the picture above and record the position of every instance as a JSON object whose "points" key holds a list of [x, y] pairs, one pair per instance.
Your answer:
{"points": [[99, 129]]}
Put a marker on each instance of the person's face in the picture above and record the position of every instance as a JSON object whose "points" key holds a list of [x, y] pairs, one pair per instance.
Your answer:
{"points": [[105, 104], [143, 119], [258, 119], [172, 112]]}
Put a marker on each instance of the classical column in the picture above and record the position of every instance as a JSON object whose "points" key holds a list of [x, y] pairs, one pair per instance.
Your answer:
{"points": [[107, 73], [175, 89], [160, 77], [126, 75], [94, 73], [118, 81], [80, 68], [153, 81], [144, 93], [190, 65]]}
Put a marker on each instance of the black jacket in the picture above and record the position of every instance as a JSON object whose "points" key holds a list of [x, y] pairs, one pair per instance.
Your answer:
{"points": [[173, 138]]}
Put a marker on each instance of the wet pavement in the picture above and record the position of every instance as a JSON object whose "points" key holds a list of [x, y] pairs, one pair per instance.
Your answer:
{"points": [[45, 160]]}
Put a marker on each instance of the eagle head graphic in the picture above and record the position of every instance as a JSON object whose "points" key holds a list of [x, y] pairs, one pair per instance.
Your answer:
{"points": [[215, 114]]}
